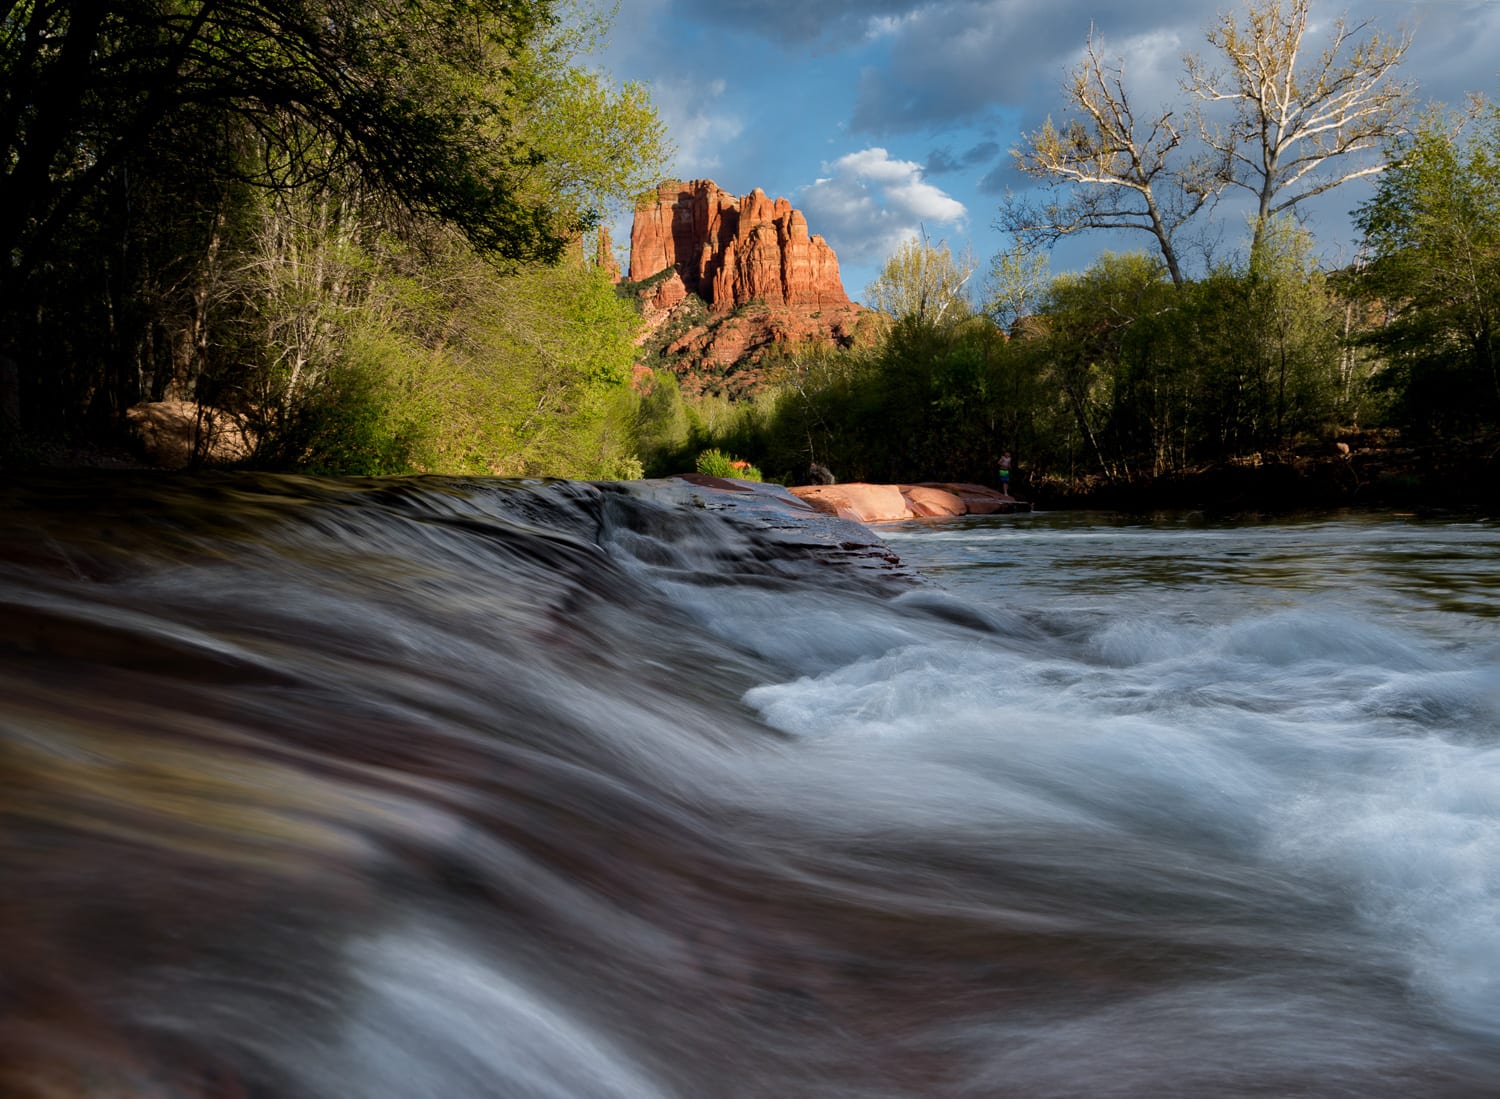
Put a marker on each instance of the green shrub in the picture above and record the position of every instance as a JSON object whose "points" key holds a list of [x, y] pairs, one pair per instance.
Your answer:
{"points": [[715, 463]]}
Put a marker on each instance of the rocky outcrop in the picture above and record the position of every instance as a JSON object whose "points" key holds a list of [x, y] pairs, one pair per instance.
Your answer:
{"points": [[752, 279], [172, 434], [604, 255], [732, 251]]}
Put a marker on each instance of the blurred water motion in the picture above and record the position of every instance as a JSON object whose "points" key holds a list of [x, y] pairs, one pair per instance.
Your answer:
{"points": [[422, 788]]}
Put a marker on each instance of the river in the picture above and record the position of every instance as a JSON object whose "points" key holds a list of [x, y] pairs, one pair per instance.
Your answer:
{"points": [[427, 789]]}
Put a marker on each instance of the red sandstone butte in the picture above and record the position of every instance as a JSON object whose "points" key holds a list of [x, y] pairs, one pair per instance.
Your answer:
{"points": [[766, 280], [732, 251]]}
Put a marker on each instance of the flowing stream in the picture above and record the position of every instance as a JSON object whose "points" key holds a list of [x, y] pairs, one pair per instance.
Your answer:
{"points": [[428, 789]]}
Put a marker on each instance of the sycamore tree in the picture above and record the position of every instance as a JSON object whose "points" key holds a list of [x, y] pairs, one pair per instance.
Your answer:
{"points": [[1304, 119], [1110, 168], [1017, 284]]}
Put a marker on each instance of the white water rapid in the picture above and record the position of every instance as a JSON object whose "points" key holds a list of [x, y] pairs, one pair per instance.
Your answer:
{"points": [[436, 789]]}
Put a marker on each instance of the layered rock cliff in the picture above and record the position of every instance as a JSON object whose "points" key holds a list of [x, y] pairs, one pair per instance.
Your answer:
{"points": [[726, 280], [732, 251]]}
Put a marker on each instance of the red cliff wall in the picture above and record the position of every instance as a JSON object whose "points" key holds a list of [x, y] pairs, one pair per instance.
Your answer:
{"points": [[731, 251]]}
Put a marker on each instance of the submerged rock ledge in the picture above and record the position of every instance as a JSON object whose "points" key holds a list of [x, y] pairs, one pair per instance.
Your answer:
{"points": [[773, 529]]}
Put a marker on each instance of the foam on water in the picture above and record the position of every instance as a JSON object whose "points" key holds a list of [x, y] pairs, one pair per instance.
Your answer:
{"points": [[1325, 739]]}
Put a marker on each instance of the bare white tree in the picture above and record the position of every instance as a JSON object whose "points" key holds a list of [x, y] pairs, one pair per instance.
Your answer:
{"points": [[1120, 172], [1301, 126]]}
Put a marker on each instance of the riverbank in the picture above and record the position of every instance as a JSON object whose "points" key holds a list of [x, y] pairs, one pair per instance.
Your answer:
{"points": [[1374, 472]]}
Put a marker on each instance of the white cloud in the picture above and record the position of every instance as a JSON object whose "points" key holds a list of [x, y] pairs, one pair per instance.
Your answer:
{"points": [[868, 203], [886, 26], [698, 129]]}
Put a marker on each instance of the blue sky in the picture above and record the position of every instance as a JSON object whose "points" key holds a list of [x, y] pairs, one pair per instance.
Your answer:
{"points": [[884, 117]]}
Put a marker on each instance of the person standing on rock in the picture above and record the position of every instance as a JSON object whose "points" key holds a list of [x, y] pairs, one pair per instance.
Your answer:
{"points": [[1005, 474]]}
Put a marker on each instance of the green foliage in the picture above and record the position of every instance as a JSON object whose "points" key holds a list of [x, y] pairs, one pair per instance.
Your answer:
{"points": [[595, 145], [663, 426], [1161, 378], [925, 281], [715, 463], [531, 375], [1294, 331], [365, 415], [929, 402], [1433, 234], [287, 212], [413, 99]]}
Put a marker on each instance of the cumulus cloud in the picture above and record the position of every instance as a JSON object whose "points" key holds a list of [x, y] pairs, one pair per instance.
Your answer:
{"points": [[870, 202]]}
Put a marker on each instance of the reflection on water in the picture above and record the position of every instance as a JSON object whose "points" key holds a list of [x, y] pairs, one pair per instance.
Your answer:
{"points": [[414, 789], [1390, 564]]}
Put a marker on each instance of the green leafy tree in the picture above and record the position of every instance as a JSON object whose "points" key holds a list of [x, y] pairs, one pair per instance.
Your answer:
{"points": [[1089, 332], [414, 98], [923, 280], [1293, 325], [1432, 232], [208, 189]]}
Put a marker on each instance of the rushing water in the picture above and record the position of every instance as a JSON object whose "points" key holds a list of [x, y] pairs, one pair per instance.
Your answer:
{"points": [[430, 790]]}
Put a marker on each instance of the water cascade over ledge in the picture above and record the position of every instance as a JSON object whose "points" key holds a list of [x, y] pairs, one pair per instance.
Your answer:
{"points": [[435, 789]]}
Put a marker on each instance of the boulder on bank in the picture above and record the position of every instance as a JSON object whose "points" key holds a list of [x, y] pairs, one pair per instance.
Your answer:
{"points": [[868, 503], [979, 499], [172, 433], [927, 502], [864, 503]]}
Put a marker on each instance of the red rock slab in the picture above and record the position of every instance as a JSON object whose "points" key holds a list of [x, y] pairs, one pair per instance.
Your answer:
{"points": [[861, 502], [977, 499], [926, 502]]}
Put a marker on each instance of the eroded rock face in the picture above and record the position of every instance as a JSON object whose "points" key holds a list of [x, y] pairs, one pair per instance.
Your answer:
{"points": [[604, 255], [732, 251]]}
